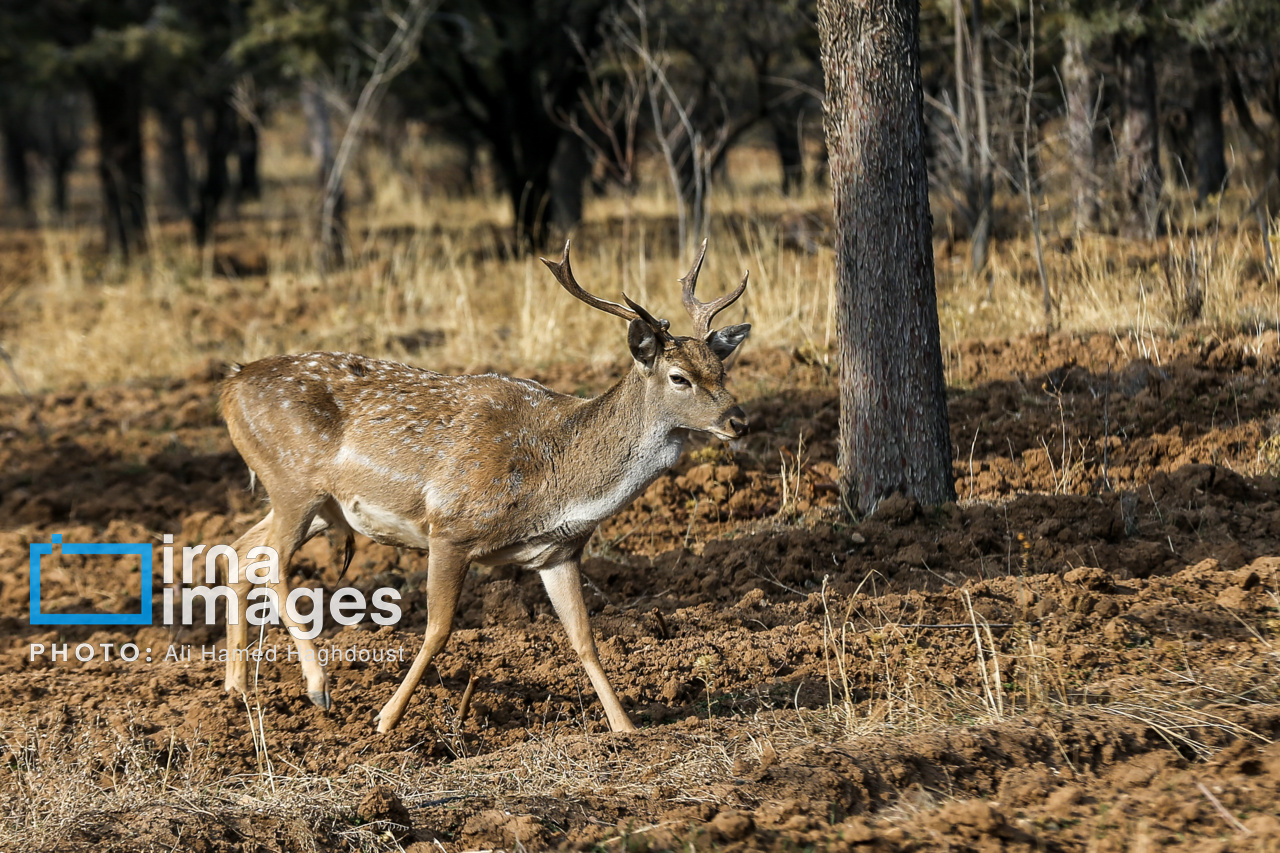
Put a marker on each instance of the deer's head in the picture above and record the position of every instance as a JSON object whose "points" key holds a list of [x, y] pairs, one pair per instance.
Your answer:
{"points": [[684, 377]]}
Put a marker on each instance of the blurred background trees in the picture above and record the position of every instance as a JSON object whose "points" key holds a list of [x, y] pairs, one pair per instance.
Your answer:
{"points": [[1101, 115], [375, 174]]}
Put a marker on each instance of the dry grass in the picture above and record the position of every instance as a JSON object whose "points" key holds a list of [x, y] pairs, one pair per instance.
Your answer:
{"points": [[1107, 283], [918, 689], [432, 281]]}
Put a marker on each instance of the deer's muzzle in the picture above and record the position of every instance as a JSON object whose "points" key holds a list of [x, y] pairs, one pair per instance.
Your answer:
{"points": [[735, 424]]}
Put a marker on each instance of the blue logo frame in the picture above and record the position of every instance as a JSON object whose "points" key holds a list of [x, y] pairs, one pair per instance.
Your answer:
{"points": [[139, 549]]}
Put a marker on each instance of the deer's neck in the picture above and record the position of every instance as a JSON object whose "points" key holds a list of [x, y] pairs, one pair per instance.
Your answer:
{"points": [[616, 445]]}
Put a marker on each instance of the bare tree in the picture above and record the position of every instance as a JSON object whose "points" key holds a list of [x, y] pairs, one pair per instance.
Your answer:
{"points": [[966, 160], [332, 225], [979, 185], [894, 431], [321, 91], [687, 151], [1138, 148], [248, 104], [1031, 169], [1206, 124], [607, 117], [1080, 91]]}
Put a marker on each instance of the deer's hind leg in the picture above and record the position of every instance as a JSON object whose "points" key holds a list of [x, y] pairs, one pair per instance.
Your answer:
{"points": [[237, 673], [286, 539], [295, 521]]}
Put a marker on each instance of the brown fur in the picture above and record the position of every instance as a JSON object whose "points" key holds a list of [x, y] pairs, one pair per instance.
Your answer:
{"points": [[474, 468]]}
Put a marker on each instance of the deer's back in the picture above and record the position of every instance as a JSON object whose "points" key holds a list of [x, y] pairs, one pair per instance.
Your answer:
{"points": [[412, 443]]}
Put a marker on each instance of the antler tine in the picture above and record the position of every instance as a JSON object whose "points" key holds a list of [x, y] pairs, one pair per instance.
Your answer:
{"points": [[564, 274], [690, 281], [655, 323], [702, 313]]}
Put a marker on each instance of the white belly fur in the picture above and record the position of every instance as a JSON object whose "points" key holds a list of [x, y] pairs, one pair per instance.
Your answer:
{"points": [[655, 456]]}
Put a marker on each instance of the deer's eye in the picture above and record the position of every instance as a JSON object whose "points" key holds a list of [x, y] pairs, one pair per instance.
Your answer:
{"points": [[679, 381]]}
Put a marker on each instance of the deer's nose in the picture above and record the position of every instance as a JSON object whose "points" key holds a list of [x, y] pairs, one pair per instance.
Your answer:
{"points": [[737, 421]]}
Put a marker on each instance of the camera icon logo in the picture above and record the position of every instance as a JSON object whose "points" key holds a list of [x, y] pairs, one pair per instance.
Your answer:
{"points": [[139, 549]]}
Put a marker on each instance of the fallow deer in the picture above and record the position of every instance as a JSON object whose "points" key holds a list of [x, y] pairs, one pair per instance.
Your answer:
{"points": [[485, 469]]}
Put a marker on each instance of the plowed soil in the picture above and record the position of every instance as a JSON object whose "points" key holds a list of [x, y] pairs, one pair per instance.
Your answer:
{"points": [[1081, 653]]}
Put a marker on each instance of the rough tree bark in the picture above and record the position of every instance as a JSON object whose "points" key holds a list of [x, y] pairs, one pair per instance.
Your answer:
{"points": [[894, 430], [1206, 125], [1078, 81], [1138, 148]]}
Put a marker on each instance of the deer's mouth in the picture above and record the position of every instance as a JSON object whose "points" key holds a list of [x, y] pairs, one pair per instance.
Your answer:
{"points": [[733, 427]]}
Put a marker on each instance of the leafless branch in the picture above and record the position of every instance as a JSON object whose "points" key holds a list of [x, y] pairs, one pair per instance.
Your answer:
{"points": [[399, 52]]}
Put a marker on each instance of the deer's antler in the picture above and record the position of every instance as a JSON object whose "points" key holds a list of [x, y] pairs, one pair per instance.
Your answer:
{"points": [[564, 274], [702, 313]]}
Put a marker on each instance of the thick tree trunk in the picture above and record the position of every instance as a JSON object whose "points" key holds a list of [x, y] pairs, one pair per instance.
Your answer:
{"points": [[894, 431], [569, 172], [62, 124], [1206, 125], [785, 124], [117, 109], [525, 163], [218, 141], [1078, 80], [174, 168], [1139, 143], [17, 175]]}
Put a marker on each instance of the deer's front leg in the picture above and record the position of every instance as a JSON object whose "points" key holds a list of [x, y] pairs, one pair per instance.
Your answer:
{"points": [[446, 568], [564, 587]]}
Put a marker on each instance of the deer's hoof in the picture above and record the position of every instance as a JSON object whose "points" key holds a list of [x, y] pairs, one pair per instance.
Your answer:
{"points": [[320, 698]]}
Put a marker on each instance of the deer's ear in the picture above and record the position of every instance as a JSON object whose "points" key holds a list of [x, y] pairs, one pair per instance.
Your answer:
{"points": [[644, 343], [724, 341]]}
